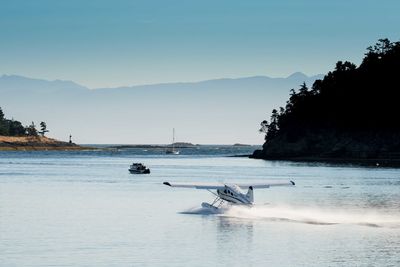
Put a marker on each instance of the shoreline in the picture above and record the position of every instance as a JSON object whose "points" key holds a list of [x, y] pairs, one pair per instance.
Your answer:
{"points": [[36, 143], [370, 162], [43, 148]]}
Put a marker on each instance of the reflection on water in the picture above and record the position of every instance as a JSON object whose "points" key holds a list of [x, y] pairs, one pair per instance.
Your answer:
{"points": [[228, 225], [234, 235]]}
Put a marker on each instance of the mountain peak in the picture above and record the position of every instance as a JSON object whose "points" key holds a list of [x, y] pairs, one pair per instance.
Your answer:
{"points": [[18, 82], [298, 75]]}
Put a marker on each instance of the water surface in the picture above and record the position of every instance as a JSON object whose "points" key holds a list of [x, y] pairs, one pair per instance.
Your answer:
{"points": [[86, 209]]}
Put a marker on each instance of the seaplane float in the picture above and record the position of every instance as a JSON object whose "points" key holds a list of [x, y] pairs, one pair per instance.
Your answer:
{"points": [[230, 193]]}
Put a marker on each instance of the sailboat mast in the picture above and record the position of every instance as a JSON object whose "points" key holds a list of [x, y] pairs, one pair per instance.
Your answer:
{"points": [[173, 139]]}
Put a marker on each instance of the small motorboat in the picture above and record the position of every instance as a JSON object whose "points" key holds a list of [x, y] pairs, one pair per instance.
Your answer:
{"points": [[138, 168]]}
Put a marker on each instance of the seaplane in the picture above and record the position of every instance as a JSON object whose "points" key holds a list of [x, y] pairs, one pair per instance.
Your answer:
{"points": [[232, 194]]}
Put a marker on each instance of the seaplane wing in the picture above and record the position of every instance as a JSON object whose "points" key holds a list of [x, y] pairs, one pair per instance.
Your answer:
{"points": [[222, 185], [197, 185], [266, 184]]}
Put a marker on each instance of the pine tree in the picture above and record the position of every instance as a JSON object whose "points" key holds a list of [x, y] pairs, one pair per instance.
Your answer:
{"points": [[3, 124], [43, 128], [31, 130]]}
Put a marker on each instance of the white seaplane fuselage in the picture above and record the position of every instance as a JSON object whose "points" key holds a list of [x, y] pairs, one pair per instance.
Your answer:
{"points": [[234, 194]]}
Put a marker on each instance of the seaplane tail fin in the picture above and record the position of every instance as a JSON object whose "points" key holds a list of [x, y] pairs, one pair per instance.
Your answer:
{"points": [[250, 195]]}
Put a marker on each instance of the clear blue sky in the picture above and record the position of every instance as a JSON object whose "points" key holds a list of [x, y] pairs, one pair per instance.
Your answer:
{"points": [[128, 42]]}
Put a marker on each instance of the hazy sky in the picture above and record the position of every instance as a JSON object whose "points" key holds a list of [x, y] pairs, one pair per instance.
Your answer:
{"points": [[127, 42]]}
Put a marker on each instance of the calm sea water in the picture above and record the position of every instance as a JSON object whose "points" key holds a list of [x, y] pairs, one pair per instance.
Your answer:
{"points": [[86, 209]]}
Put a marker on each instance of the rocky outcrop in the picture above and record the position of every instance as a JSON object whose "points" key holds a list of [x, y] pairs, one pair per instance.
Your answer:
{"points": [[329, 144]]}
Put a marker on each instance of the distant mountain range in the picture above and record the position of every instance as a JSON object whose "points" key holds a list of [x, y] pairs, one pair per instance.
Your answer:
{"points": [[224, 111]]}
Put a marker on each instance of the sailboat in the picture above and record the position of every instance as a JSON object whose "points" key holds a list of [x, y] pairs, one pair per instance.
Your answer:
{"points": [[172, 150]]}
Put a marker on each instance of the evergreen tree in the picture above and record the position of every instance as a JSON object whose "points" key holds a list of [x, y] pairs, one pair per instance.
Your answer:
{"points": [[272, 128], [264, 127], [43, 128], [3, 125], [348, 99], [15, 128], [31, 130]]}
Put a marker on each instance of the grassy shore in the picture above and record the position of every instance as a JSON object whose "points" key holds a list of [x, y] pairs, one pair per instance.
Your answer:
{"points": [[27, 143]]}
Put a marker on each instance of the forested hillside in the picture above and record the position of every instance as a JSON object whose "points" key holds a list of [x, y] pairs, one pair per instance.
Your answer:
{"points": [[353, 112]]}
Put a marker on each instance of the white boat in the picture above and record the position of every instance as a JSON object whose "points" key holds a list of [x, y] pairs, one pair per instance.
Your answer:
{"points": [[172, 150], [138, 168]]}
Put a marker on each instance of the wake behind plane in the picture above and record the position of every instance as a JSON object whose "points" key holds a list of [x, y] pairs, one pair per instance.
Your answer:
{"points": [[230, 193]]}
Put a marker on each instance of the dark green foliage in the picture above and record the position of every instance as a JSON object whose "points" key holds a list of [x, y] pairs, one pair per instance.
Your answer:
{"points": [[3, 126], [270, 129], [31, 130], [43, 128], [15, 128], [349, 99]]}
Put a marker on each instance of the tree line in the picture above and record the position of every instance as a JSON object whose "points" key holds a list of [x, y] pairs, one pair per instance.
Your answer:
{"points": [[347, 99], [15, 128]]}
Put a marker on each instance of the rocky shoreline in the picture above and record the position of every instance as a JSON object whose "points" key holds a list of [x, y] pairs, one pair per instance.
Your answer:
{"points": [[365, 148], [24, 143]]}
